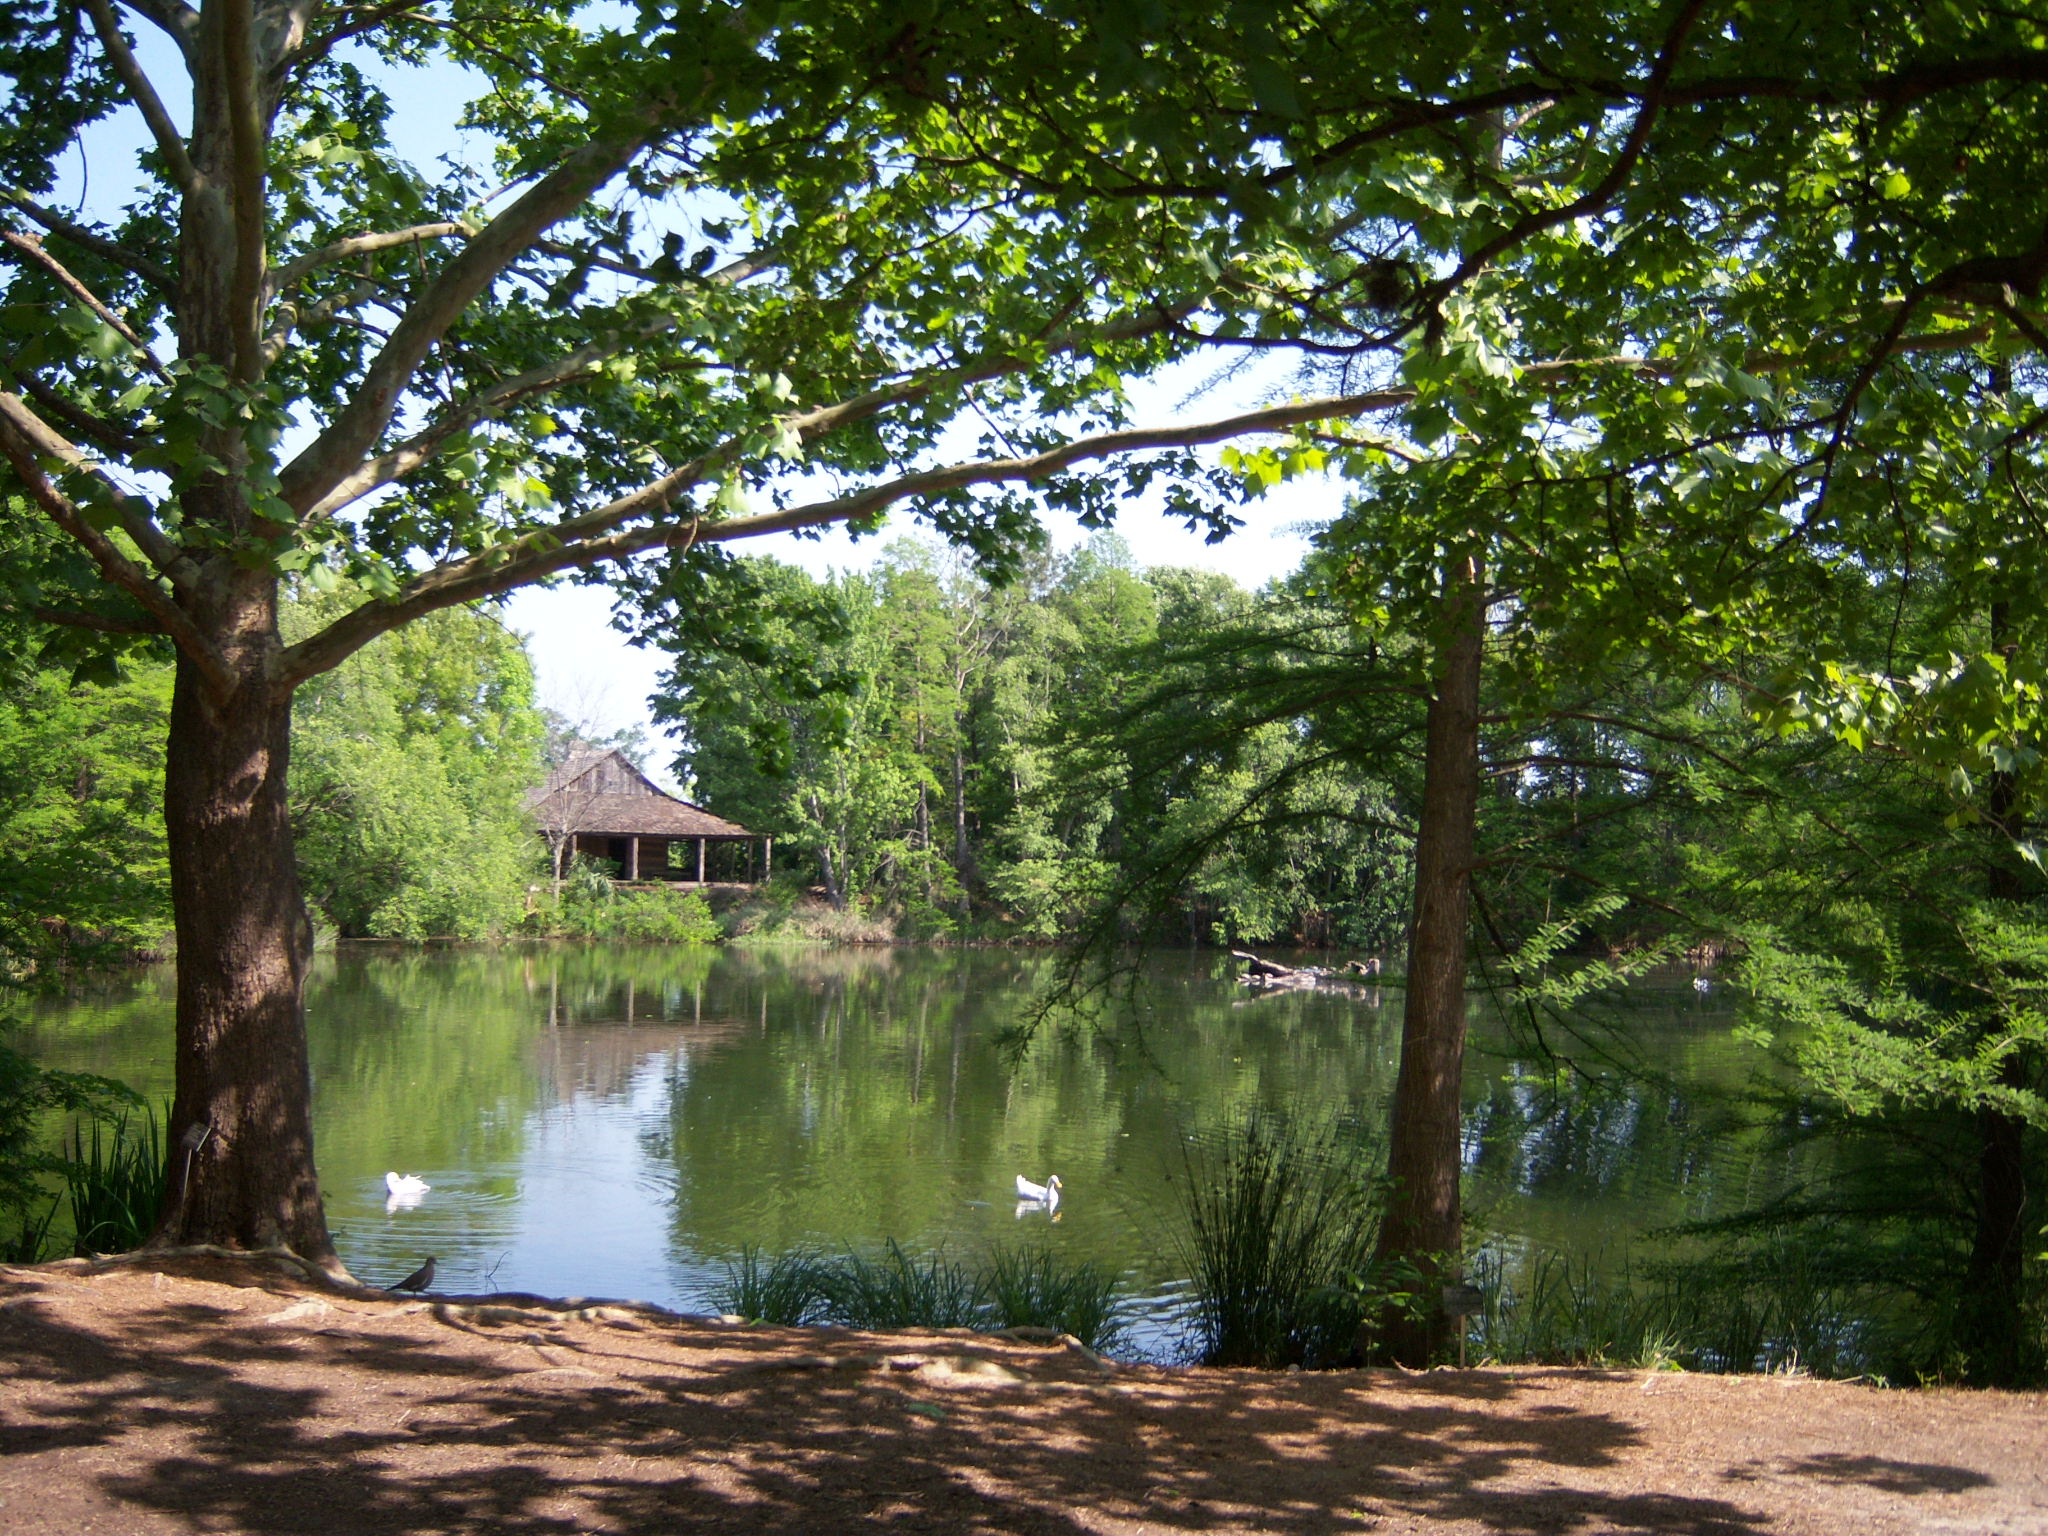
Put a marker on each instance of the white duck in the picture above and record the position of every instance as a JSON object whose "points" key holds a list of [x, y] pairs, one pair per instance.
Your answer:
{"points": [[1046, 1194], [405, 1186]]}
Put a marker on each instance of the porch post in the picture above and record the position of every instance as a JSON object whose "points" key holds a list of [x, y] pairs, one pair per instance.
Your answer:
{"points": [[700, 861], [767, 857], [633, 857]]}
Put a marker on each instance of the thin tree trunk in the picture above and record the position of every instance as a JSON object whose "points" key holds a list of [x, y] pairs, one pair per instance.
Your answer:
{"points": [[1992, 1321], [830, 875], [960, 855], [241, 1134], [1424, 1223]]}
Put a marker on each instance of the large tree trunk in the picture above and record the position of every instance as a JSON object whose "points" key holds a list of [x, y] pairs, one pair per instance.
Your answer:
{"points": [[241, 1133], [1424, 1223]]}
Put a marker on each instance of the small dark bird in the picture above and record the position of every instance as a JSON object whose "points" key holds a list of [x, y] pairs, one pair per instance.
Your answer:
{"points": [[419, 1279]]}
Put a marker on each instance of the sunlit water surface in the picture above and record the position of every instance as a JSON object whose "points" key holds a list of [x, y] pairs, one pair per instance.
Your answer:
{"points": [[622, 1121]]}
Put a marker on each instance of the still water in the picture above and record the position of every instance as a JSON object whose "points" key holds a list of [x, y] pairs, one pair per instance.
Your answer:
{"points": [[621, 1121]]}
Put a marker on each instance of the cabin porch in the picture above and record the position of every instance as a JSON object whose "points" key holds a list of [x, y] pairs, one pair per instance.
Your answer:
{"points": [[639, 858]]}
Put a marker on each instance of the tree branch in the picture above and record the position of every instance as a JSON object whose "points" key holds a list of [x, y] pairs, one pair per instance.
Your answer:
{"points": [[76, 418], [158, 277], [168, 141], [1625, 161], [369, 17], [547, 551], [31, 247], [309, 478], [94, 621], [177, 21], [599, 535], [287, 273], [808, 425], [37, 439], [398, 462], [24, 440]]}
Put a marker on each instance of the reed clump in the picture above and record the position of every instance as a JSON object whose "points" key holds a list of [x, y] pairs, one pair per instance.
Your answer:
{"points": [[1765, 1307], [116, 1178], [1277, 1235], [1035, 1288], [896, 1289]]}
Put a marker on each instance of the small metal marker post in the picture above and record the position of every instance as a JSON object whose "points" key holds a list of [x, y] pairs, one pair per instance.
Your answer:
{"points": [[1460, 1302]]}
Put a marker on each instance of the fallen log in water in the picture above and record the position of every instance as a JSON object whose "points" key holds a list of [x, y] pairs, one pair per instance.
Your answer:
{"points": [[1261, 970], [1270, 975]]}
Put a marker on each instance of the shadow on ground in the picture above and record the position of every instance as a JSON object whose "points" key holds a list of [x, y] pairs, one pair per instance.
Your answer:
{"points": [[190, 1404]]}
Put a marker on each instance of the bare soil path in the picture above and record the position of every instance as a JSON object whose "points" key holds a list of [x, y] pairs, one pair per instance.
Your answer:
{"points": [[222, 1396]]}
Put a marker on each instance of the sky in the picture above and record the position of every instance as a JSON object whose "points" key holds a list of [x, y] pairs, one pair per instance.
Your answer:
{"points": [[586, 670]]}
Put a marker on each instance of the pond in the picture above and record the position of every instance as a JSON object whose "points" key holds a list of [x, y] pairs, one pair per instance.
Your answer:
{"points": [[622, 1121]]}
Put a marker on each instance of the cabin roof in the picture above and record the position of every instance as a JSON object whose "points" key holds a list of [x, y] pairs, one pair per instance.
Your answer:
{"points": [[601, 792]]}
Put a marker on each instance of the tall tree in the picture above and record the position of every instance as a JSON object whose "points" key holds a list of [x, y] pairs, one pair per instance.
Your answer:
{"points": [[727, 236]]}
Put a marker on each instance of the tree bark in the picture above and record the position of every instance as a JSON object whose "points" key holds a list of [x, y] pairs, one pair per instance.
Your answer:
{"points": [[826, 868], [1991, 1326], [241, 1132], [1423, 1226]]}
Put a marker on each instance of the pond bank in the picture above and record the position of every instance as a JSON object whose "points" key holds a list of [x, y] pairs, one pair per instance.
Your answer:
{"points": [[225, 1395]]}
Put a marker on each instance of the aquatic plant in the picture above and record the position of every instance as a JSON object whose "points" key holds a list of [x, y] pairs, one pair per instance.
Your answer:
{"points": [[784, 1291], [1011, 1289], [896, 1291], [1278, 1229], [28, 1170], [117, 1183], [1761, 1306], [1035, 1288]]}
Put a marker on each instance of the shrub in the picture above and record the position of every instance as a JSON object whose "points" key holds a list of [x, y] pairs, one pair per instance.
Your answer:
{"points": [[593, 907]]}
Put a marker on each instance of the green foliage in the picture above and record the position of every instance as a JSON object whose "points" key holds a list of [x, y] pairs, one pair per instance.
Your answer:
{"points": [[592, 906], [1278, 1232], [893, 1290], [941, 749], [82, 866], [1035, 1288], [1939, 1031], [117, 1175], [786, 1291], [411, 763], [29, 1096], [1020, 1288], [1758, 1306]]}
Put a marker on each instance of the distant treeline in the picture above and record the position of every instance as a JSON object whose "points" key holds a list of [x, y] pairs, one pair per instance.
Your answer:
{"points": [[410, 764], [1003, 759]]}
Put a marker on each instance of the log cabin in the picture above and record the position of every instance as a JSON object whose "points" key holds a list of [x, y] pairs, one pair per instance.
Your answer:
{"points": [[599, 805]]}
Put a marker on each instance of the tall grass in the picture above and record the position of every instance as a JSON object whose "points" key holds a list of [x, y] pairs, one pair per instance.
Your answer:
{"points": [[1278, 1231], [24, 1244], [1034, 1288], [1764, 1307], [893, 1289], [784, 1291], [117, 1183]]}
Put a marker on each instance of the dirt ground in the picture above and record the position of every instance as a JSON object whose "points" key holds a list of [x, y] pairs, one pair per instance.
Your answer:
{"points": [[215, 1395]]}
